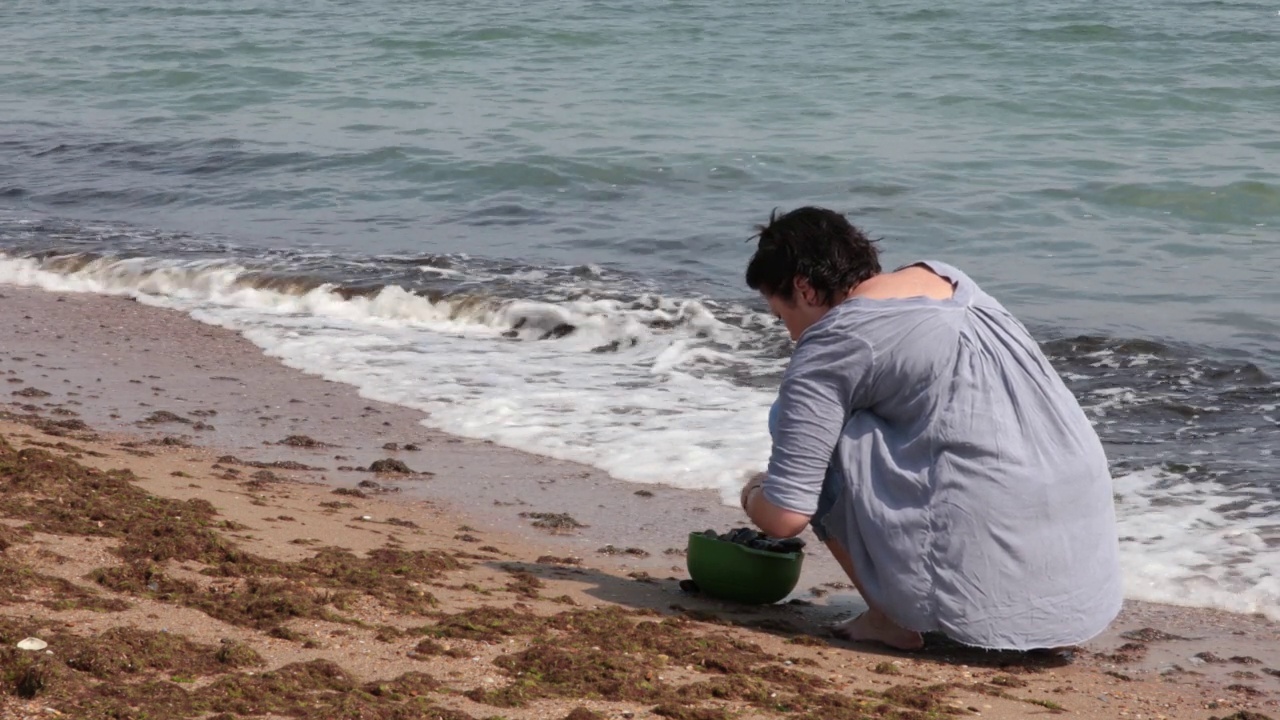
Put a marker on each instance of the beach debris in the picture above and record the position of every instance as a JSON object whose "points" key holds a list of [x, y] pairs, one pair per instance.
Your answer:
{"points": [[611, 550], [303, 441], [266, 476], [57, 428], [643, 493], [391, 447], [1147, 635], [31, 392], [1126, 653], [32, 643], [390, 465], [411, 447], [352, 492], [757, 540], [163, 416], [275, 465], [553, 560], [553, 521], [525, 583], [402, 523]]}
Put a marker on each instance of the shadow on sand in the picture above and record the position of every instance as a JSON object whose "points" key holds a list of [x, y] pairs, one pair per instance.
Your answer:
{"points": [[796, 621]]}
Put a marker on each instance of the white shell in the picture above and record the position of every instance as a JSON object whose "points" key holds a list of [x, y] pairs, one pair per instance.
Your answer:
{"points": [[32, 644]]}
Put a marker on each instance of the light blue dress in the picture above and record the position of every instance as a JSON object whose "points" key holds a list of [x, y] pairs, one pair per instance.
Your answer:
{"points": [[961, 475]]}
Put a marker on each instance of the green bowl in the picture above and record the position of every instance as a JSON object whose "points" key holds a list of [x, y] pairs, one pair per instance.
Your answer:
{"points": [[735, 572]]}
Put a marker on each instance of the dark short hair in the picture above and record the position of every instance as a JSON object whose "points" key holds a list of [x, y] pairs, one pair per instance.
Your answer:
{"points": [[816, 244]]}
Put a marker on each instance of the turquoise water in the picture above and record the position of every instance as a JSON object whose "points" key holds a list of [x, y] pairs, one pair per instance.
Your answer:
{"points": [[536, 213]]}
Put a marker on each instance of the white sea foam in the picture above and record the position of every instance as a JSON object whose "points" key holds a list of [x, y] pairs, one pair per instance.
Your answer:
{"points": [[645, 411], [1177, 548], [642, 411]]}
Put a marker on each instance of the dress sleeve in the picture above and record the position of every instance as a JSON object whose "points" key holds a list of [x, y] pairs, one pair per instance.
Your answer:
{"points": [[823, 385]]}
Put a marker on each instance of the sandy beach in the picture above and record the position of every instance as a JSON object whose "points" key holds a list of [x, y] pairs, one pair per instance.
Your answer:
{"points": [[198, 531]]}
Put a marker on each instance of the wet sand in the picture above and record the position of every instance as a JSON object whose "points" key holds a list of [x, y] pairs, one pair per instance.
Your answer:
{"points": [[164, 394]]}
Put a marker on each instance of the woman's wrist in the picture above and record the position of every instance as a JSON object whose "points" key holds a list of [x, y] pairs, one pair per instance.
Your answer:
{"points": [[747, 492]]}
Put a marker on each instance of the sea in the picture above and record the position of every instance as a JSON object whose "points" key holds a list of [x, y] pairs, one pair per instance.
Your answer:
{"points": [[530, 220]]}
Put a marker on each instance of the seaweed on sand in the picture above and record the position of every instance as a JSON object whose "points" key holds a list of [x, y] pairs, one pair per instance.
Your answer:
{"points": [[55, 494]]}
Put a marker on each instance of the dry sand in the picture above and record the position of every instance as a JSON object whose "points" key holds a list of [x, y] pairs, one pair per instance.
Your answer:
{"points": [[282, 621]]}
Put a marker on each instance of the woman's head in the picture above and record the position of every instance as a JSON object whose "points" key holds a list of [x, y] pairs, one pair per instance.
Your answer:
{"points": [[807, 261]]}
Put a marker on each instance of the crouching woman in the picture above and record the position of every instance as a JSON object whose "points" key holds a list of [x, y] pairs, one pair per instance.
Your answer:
{"points": [[926, 439]]}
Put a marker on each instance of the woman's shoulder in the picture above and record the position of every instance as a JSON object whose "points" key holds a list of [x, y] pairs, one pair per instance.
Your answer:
{"points": [[959, 279]]}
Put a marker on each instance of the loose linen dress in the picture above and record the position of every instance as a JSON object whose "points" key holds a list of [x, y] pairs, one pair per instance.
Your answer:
{"points": [[955, 467]]}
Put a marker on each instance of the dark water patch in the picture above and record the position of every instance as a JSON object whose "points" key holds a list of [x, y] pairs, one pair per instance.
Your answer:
{"points": [[214, 157], [1238, 37], [506, 214], [366, 127], [1076, 32], [435, 261], [91, 148], [1229, 203], [1156, 403], [229, 162], [490, 34], [926, 15], [189, 11], [133, 198], [169, 78]]}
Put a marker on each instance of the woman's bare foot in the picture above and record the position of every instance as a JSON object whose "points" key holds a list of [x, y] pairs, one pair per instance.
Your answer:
{"points": [[875, 626]]}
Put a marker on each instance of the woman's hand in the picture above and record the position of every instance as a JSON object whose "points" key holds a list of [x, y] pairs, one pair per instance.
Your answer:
{"points": [[752, 485], [771, 519]]}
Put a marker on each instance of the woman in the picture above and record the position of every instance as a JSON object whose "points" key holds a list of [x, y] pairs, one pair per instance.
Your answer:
{"points": [[931, 446]]}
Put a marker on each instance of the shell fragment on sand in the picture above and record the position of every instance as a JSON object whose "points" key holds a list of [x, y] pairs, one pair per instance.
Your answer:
{"points": [[32, 644]]}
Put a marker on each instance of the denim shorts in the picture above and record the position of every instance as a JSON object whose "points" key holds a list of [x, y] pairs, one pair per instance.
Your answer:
{"points": [[831, 487]]}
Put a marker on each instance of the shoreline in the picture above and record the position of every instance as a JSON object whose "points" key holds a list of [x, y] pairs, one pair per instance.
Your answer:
{"points": [[178, 389]]}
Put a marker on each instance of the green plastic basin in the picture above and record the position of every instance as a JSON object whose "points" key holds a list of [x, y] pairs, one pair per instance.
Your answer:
{"points": [[735, 572]]}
